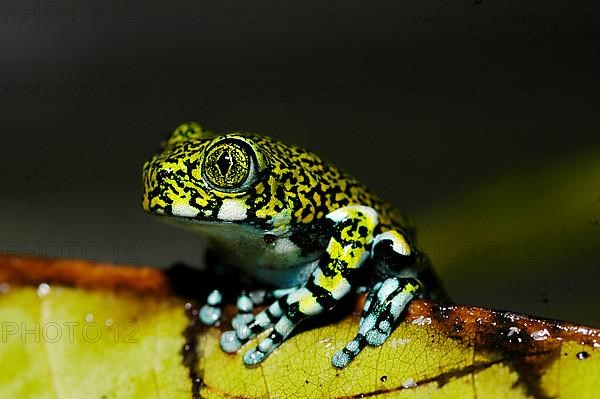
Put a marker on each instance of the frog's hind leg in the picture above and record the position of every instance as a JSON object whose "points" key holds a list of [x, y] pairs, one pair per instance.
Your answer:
{"points": [[379, 317], [387, 298]]}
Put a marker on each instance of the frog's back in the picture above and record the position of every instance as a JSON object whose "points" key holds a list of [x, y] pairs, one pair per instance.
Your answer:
{"points": [[315, 188]]}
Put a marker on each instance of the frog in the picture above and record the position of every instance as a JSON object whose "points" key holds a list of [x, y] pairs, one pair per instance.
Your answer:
{"points": [[288, 219]]}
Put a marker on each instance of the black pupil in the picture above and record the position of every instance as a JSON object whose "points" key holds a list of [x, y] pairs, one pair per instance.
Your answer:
{"points": [[224, 163]]}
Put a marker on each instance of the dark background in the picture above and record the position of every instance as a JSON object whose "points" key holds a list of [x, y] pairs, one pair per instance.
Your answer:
{"points": [[383, 89]]}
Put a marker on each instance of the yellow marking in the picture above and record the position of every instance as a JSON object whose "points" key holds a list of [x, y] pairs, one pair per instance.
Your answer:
{"points": [[329, 283], [335, 249], [260, 188], [400, 241], [317, 199], [309, 305], [409, 288]]}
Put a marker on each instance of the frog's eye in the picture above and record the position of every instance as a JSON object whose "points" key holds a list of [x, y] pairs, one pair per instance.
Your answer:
{"points": [[230, 165]]}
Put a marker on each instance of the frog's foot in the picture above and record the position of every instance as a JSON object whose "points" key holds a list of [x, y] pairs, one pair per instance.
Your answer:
{"points": [[211, 312], [246, 302], [283, 315], [245, 326], [382, 309], [244, 315]]}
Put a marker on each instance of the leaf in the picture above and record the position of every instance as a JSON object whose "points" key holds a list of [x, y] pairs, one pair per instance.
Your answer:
{"points": [[438, 351], [121, 339]]}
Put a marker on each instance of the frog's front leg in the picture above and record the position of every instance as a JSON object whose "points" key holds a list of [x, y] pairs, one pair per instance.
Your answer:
{"points": [[348, 248], [246, 302], [212, 309], [393, 257]]}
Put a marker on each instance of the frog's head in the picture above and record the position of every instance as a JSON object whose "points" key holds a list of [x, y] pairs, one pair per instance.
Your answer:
{"points": [[199, 177]]}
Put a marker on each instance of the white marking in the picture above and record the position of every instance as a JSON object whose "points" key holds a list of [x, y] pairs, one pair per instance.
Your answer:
{"points": [[399, 303], [263, 320], [339, 290], [184, 210], [214, 298], [265, 345], [244, 304], [232, 209], [352, 346], [229, 342], [384, 325], [275, 309], [342, 213], [284, 246], [284, 326], [540, 335], [399, 245], [368, 324], [297, 295], [89, 317], [389, 286]]}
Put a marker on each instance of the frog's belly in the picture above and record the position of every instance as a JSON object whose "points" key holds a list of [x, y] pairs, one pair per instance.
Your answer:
{"points": [[280, 263]]}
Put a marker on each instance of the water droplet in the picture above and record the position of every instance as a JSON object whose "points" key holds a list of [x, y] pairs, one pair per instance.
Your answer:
{"points": [[109, 322], [43, 290], [89, 318], [409, 383], [583, 355], [540, 335]]}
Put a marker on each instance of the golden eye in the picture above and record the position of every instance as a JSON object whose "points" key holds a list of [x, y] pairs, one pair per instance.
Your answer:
{"points": [[229, 165]]}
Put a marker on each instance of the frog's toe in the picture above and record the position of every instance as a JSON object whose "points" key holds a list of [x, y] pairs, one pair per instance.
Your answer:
{"points": [[209, 315], [245, 307], [343, 357], [211, 312], [230, 342], [253, 357], [241, 320]]}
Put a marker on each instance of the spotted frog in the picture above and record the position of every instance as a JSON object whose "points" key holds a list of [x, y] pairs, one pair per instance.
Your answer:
{"points": [[293, 222]]}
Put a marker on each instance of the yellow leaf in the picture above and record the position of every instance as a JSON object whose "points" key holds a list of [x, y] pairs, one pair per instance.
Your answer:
{"points": [[436, 352]]}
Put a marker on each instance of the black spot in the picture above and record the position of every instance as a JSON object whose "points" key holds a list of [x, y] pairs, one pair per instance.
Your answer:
{"points": [[582, 355], [269, 238], [383, 378], [385, 256], [306, 381], [363, 231]]}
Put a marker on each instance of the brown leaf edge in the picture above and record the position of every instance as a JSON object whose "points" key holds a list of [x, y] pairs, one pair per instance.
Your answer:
{"points": [[505, 332]]}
